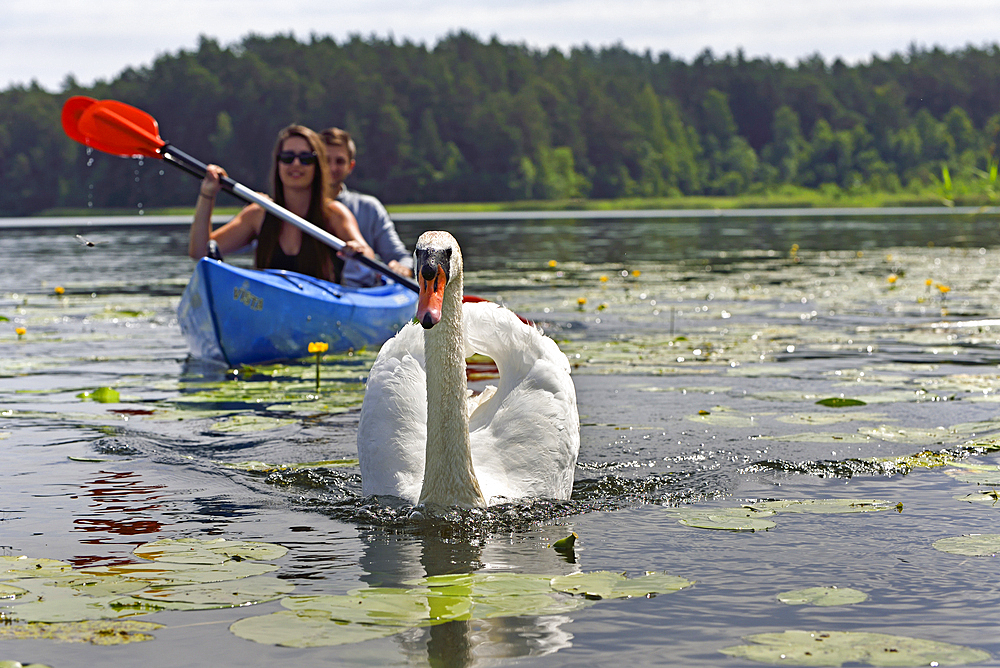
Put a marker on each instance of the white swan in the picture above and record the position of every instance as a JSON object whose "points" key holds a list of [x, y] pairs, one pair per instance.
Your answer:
{"points": [[422, 436]]}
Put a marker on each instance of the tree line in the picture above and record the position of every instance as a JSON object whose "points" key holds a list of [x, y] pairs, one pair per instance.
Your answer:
{"points": [[474, 120]]}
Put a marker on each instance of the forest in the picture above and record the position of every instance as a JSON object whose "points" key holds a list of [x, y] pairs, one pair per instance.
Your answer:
{"points": [[472, 120]]}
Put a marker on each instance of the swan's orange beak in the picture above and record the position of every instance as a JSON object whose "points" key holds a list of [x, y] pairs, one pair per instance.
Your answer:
{"points": [[431, 297]]}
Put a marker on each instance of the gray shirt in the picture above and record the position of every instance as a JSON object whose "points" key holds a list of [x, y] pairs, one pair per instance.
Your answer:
{"points": [[378, 231]]}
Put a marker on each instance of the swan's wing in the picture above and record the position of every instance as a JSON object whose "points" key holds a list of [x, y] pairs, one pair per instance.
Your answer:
{"points": [[526, 437], [393, 430]]}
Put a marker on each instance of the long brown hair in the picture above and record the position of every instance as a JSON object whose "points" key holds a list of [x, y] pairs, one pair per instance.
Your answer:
{"points": [[314, 257]]}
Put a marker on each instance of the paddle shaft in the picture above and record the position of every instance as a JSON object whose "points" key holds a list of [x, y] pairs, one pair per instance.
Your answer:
{"points": [[195, 167]]}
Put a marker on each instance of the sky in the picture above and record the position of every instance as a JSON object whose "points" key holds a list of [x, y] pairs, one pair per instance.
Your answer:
{"points": [[47, 40]]}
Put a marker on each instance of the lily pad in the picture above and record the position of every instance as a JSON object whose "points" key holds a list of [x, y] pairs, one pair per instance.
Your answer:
{"points": [[823, 596], [93, 585], [840, 402], [73, 609], [385, 605], [307, 628], [525, 604], [11, 592], [230, 594], [12, 568], [835, 648], [981, 474], [217, 551], [724, 519], [172, 574], [826, 506], [103, 395], [605, 584], [96, 632], [972, 545], [988, 496]]}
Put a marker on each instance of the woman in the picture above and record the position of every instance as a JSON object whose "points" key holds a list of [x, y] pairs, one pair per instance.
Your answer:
{"points": [[301, 184]]}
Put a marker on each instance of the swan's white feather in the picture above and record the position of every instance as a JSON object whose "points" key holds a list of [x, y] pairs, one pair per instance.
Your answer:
{"points": [[524, 434]]}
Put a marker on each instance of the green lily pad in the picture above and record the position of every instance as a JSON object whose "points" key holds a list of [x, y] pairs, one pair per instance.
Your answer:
{"points": [[972, 545], [91, 585], [103, 395], [526, 605], [385, 605], [118, 632], [229, 594], [605, 584], [724, 519], [307, 628], [835, 648], [826, 506], [840, 402], [171, 574], [485, 584], [988, 496], [12, 568], [11, 592], [823, 596], [18, 664], [981, 474], [72, 609], [198, 551]]}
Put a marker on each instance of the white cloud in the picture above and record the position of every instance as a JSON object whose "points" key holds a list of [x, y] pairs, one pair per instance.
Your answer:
{"points": [[48, 39]]}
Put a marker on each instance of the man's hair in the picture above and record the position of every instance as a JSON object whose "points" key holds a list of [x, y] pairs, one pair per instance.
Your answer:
{"points": [[338, 137]]}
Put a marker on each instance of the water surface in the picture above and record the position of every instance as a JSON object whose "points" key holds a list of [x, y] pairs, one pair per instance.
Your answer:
{"points": [[699, 348]]}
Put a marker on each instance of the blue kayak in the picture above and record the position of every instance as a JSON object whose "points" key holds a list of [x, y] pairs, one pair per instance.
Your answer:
{"points": [[244, 316]]}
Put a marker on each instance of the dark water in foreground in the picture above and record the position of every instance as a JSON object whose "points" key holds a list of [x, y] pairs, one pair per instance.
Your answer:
{"points": [[700, 349]]}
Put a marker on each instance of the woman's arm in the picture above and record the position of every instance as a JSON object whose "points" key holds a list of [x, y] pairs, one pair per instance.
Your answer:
{"points": [[345, 227], [232, 236]]}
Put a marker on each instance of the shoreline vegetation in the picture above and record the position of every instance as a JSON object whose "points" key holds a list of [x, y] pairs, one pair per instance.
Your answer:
{"points": [[786, 198], [490, 126]]}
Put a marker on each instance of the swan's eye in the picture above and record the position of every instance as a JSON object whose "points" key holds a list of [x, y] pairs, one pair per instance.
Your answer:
{"points": [[447, 253]]}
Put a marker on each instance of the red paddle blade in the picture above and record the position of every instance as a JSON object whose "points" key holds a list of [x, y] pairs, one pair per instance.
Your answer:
{"points": [[120, 129], [72, 109]]}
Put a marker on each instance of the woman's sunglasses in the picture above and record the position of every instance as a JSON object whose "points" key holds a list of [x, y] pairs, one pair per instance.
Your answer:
{"points": [[305, 158]]}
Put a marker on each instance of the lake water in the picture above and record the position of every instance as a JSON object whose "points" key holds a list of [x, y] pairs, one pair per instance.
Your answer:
{"points": [[700, 349]]}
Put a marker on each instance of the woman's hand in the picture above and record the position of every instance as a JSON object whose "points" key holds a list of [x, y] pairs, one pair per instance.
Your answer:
{"points": [[354, 247], [400, 269], [212, 183]]}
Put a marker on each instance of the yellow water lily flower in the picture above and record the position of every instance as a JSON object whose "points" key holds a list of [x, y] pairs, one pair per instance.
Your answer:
{"points": [[20, 331], [553, 263], [892, 278], [943, 288], [60, 290], [318, 347], [604, 279]]}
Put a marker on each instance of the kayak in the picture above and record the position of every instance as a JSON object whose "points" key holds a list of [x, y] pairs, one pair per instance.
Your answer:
{"points": [[245, 316]]}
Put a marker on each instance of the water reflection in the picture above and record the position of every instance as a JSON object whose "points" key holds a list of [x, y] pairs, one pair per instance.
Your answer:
{"points": [[121, 504], [393, 559]]}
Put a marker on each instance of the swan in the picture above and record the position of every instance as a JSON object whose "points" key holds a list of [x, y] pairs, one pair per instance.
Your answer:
{"points": [[424, 438]]}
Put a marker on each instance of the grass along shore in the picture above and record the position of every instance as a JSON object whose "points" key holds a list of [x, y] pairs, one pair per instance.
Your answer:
{"points": [[788, 197]]}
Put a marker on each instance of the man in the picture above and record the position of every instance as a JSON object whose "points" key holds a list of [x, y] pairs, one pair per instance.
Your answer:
{"points": [[373, 220]]}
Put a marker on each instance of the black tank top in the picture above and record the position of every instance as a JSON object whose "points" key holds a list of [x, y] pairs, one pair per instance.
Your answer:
{"points": [[281, 260]]}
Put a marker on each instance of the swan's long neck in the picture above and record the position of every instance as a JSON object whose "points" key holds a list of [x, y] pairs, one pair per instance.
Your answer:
{"points": [[449, 478]]}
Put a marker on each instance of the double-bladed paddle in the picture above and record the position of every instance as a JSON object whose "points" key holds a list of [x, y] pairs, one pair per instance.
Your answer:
{"points": [[120, 129]]}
